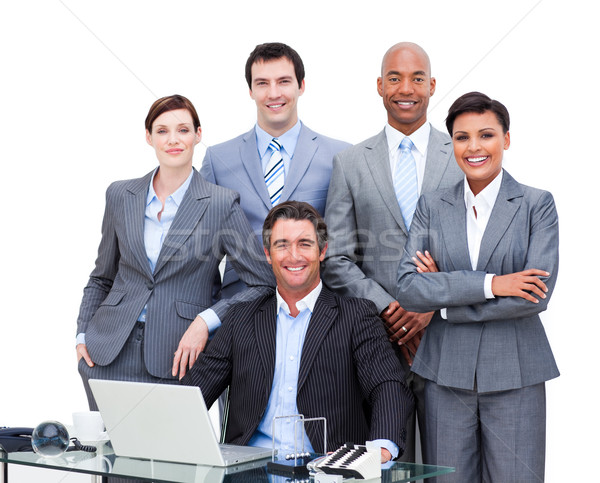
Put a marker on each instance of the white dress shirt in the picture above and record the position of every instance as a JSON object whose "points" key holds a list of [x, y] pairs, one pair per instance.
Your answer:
{"points": [[479, 208]]}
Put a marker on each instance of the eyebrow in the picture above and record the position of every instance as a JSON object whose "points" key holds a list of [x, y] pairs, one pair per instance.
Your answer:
{"points": [[282, 241], [180, 124], [257, 79], [480, 130], [417, 72]]}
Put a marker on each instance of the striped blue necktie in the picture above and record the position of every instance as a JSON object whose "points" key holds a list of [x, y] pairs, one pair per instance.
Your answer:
{"points": [[274, 173], [405, 181]]}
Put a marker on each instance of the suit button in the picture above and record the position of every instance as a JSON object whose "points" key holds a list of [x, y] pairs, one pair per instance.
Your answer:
{"points": [[149, 284]]}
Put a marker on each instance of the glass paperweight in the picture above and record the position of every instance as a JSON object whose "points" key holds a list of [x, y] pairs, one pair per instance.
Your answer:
{"points": [[50, 439]]}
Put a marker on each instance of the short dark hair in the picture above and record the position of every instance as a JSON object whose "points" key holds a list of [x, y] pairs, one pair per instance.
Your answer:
{"points": [[480, 103], [171, 103], [295, 210], [274, 51]]}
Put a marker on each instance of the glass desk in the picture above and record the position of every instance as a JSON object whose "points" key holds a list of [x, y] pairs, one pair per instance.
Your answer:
{"points": [[106, 463]]}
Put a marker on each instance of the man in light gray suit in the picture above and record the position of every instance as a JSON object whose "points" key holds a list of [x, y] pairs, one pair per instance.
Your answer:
{"points": [[367, 224], [280, 158]]}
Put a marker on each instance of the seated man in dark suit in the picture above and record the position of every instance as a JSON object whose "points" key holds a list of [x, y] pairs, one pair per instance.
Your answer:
{"points": [[305, 350]]}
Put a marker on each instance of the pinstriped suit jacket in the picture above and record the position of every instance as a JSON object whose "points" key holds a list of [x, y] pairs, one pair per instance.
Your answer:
{"points": [[348, 372], [209, 223]]}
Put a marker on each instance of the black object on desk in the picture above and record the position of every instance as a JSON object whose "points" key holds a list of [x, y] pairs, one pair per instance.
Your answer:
{"points": [[16, 439], [292, 466]]}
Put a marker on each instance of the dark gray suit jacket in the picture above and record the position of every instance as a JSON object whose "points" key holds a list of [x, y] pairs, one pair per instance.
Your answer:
{"points": [[499, 343], [366, 228], [209, 224], [235, 165], [348, 372]]}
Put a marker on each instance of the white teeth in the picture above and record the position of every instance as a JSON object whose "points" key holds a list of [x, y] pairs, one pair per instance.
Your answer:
{"points": [[275, 106], [476, 160], [295, 269], [405, 103]]}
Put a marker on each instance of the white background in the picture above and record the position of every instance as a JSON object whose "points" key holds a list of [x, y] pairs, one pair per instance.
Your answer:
{"points": [[78, 77]]}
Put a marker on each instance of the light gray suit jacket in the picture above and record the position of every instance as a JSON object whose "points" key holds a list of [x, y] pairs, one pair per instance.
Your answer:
{"points": [[209, 224], [366, 228], [499, 343], [235, 164]]}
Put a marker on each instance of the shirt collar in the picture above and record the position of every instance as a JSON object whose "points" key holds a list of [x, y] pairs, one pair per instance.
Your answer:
{"points": [[307, 302], [420, 138], [488, 194], [288, 139], [177, 196]]}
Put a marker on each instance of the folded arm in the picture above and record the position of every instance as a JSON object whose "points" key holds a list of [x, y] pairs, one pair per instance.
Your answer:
{"points": [[519, 294]]}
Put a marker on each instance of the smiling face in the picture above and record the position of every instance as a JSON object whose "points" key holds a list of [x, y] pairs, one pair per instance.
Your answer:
{"points": [[276, 91], [173, 138], [295, 257], [479, 143], [406, 86]]}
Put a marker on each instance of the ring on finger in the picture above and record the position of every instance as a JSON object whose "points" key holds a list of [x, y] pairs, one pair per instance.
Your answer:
{"points": [[404, 329]]}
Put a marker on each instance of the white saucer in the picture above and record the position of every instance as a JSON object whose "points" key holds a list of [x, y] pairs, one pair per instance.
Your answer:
{"points": [[99, 442]]}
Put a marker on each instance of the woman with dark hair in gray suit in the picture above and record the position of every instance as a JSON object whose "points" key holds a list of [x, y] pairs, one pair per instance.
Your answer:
{"points": [[147, 309], [485, 355]]}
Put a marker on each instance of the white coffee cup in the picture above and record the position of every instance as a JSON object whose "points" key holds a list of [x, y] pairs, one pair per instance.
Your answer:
{"points": [[88, 425]]}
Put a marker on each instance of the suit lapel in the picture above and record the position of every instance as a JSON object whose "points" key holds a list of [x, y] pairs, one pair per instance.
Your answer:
{"points": [[188, 215], [506, 206], [265, 328], [453, 221], [251, 163], [324, 316], [378, 161], [135, 208], [306, 147], [439, 151]]}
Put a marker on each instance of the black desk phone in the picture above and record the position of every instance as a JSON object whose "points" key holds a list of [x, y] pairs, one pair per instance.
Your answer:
{"points": [[16, 439], [13, 440]]}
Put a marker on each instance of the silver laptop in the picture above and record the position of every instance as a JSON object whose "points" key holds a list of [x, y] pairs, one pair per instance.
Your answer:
{"points": [[164, 422]]}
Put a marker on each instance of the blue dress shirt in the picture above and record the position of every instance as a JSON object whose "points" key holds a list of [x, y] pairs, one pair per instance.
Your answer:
{"points": [[282, 400], [287, 140], [155, 230]]}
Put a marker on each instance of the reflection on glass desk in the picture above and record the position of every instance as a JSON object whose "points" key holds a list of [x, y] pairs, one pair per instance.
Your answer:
{"points": [[105, 463]]}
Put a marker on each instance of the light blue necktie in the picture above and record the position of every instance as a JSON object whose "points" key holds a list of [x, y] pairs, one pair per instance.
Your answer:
{"points": [[274, 172], [405, 181]]}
